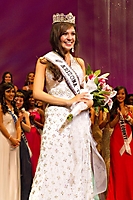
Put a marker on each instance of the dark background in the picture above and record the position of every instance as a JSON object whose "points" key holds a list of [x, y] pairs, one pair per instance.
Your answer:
{"points": [[105, 29]]}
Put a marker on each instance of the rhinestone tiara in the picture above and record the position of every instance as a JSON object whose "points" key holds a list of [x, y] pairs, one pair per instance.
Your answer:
{"points": [[64, 18]]}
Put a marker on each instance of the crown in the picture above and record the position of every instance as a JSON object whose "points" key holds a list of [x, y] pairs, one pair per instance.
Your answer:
{"points": [[64, 18]]}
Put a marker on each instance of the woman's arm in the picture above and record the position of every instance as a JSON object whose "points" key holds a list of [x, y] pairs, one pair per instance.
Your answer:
{"points": [[25, 125], [129, 118], [4, 131], [103, 122], [40, 124], [114, 121], [18, 129], [38, 88], [2, 127]]}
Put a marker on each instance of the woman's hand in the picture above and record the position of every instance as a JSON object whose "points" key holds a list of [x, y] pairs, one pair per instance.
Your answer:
{"points": [[14, 142], [80, 97], [20, 116]]}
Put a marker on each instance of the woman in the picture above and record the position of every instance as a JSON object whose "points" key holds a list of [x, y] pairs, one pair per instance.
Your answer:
{"points": [[29, 81], [121, 148], [25, 152], [34, 136], [7, 78], [106, 134], [10, 134], [64, 168]]}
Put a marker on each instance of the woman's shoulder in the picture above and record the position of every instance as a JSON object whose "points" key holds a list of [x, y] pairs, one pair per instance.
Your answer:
{"points": [[80, 60], [42, 60], [130, 107], [25, 87], [42, 63], [40, 111]]}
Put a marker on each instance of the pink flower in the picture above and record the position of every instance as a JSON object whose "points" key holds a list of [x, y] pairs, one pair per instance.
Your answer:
{"points": [[101, 82], [92, 76]]}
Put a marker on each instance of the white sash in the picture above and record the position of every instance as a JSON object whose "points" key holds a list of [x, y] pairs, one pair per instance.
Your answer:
{"points": [[127, 140], [67, 72]]}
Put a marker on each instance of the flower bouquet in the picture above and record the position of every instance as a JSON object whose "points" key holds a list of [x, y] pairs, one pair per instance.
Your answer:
{"points": [[98, 90]]}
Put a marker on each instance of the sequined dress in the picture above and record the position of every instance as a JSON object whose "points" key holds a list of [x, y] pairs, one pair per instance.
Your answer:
{"points": [[64, 166], [9, 163]]}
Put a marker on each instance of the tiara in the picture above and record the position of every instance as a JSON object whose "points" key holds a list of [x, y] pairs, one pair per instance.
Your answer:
{"points": [[64, 18]]}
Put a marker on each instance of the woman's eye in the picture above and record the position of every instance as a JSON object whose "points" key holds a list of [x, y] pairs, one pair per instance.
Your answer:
{"points": [[64, 33], [73, 33]]}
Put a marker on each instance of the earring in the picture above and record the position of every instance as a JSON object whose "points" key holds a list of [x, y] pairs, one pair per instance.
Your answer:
{"points": [[72, 49]]}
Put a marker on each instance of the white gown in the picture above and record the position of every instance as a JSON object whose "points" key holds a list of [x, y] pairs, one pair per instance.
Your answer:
{"points": [[64, 169], [9, 164]]}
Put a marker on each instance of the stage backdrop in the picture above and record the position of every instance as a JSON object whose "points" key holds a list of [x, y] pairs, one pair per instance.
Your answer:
{"points": [[105, 29]]}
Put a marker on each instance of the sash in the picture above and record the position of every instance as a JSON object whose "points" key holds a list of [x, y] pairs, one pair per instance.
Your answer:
{"points": [[26, 142], [67, 72], [127, 140], [13, 116]]}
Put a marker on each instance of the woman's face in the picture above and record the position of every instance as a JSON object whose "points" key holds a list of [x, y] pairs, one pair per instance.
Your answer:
{"points": [[31, 77], [68, 39], [19, 102], [31, 100], [131, 100], [7, 78], [9, 94], [121, 95]]}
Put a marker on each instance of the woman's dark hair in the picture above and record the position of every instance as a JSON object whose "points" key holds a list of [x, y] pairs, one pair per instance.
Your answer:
{"points": [[3, 88], [3, 77], [115, 106], [129, 96], [29, 93], [58, 29]]}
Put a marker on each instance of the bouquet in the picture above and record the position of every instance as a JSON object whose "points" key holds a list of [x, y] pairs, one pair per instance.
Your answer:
{"points": [[96, 85]]}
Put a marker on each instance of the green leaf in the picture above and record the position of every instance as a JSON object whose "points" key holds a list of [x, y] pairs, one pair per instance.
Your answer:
{"points": [[97, 95], [89, 70], [96, 81], [97, 72], [104, 92]]}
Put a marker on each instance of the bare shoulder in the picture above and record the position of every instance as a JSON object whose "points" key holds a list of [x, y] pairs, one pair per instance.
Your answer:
{"points": [[25, 87], [80, 61], [40, 111], [41, 64], [131, 108], [42, 60]]}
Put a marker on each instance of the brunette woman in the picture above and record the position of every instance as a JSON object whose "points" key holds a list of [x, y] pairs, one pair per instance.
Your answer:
{"points": [[121, 148], [10, 135], [25, 152]]}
